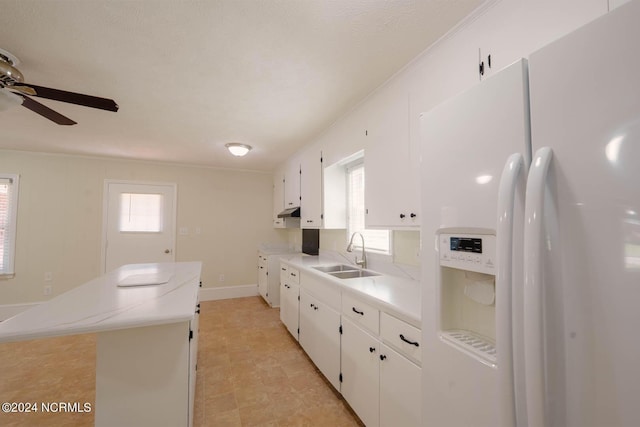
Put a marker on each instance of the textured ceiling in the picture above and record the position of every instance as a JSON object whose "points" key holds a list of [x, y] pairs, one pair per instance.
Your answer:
{"points": [[190, 76]]}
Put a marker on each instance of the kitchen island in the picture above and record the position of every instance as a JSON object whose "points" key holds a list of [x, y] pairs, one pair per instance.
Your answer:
{"points": [[145, 317]]}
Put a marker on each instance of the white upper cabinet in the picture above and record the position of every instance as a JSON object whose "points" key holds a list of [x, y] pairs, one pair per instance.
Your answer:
{"points": [[278, 198], [292, 183], [392, 161], [311, 189]]}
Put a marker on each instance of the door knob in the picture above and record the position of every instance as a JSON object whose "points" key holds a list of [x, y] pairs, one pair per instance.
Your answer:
{"points": [[167, 251]]}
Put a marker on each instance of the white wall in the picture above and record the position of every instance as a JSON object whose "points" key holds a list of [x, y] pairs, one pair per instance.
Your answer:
{"points": [[60, 219], [507, 29]]}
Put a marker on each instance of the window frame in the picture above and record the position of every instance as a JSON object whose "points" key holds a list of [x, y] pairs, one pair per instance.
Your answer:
{"points": [[9, 242], [349, 167]]}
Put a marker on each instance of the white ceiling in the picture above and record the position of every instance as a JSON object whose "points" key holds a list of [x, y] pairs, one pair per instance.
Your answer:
{"points": [[190, 76]]}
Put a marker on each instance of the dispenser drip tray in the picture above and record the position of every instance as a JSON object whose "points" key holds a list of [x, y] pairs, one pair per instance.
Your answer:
{"points": [[479, 346]]}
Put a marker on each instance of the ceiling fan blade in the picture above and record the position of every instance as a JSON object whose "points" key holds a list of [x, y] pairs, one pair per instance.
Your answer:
{"points": [[70, 97], [46, 112], [23, 89]]}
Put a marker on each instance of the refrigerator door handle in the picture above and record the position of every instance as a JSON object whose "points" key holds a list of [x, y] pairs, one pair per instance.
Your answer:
{"points": [[512, 175], [533, 282]]}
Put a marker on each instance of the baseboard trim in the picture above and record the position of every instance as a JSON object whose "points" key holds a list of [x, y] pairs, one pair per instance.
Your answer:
{"points": [[10, 310], [228, 292]]}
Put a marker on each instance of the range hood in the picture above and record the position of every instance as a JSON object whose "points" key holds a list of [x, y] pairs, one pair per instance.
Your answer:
{"points": [[290, 213]]}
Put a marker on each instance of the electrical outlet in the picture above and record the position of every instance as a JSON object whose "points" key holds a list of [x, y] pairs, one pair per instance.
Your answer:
{"points": [[221, 278], [48, 289], [48, 276]]}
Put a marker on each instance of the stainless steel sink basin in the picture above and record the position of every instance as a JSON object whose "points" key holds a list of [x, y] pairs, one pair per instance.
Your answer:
{"points": [[353, 274], [332, 268]]}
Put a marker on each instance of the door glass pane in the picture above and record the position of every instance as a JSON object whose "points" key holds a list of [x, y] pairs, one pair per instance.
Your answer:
{"points": [[141, 212]]}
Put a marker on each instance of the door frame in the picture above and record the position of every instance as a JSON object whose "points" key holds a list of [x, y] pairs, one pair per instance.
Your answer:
{"points": [[105, 213]]}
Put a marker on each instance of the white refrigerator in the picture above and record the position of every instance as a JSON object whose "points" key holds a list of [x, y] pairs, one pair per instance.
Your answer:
{"points": [[475, 147], [582, 232], [549, 337]]}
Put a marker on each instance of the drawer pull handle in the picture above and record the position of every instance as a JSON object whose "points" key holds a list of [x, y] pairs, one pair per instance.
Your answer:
{"points": [[383, 357], [293, 274], [409, 342], [372, 349], [361, 313]]}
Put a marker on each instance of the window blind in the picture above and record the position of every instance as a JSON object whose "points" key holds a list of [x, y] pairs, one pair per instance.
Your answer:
{"points": [[8, 211], [377, 240]]}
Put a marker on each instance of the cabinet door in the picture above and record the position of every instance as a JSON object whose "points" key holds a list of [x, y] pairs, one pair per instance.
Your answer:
{"points": [[320, 336], [194, 326], [292, 184], [391, 188], [400, 390], [360, 372], [307, 324], [278, 199], [289, 307], [263, 282], [311, 190]]}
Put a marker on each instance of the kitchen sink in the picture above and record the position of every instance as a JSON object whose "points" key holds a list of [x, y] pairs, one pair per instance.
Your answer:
{"points": [[350, 274], [335, 268]]}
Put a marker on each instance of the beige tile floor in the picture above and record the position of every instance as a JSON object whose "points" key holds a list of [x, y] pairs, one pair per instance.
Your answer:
{"points": [[251, 372]]}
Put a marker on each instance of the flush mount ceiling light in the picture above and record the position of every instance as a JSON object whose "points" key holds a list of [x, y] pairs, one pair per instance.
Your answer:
{"points": [[238, 149]]}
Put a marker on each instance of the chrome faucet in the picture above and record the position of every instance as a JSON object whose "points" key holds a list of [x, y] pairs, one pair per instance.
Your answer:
{"points": [[363, 262]]}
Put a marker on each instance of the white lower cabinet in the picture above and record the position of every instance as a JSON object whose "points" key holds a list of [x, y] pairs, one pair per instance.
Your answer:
{"points": [[289, 293], [360, 372], [400, 390], [320, 336], [381, 385], [369, 356], [290, 298]]}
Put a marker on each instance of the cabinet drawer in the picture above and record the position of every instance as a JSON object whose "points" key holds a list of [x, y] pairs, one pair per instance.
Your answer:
{"points": [[405, 338], [361, 312], [294, 275]]}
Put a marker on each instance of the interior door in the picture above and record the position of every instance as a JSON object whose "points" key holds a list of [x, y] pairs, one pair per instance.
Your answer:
{"points": [[139, 223]]}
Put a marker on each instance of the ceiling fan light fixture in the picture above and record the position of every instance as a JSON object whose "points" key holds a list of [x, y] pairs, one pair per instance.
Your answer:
{"points": [[8, 100], [238, 149]]}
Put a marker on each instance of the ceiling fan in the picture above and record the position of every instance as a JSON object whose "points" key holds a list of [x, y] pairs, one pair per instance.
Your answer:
{"points": [[14, 91]]}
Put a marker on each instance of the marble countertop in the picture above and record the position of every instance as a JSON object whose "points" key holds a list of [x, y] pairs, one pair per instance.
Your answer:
{"points": [[102, 305], [394, 295]]}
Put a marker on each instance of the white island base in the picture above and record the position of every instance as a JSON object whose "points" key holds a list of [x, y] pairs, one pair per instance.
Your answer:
{"points": [[142, 376], [146, 342]]}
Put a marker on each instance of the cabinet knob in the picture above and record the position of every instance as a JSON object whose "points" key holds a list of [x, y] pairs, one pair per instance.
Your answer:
{"points": [[372, 349], [413, 215], [402, 216], [383, 357]]}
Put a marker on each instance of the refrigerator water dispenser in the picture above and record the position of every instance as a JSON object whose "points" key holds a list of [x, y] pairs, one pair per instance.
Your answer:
{"points": [[466, 283]]}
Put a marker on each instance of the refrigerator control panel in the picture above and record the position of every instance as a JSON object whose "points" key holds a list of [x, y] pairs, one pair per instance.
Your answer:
{"points": [[468, 252]]}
